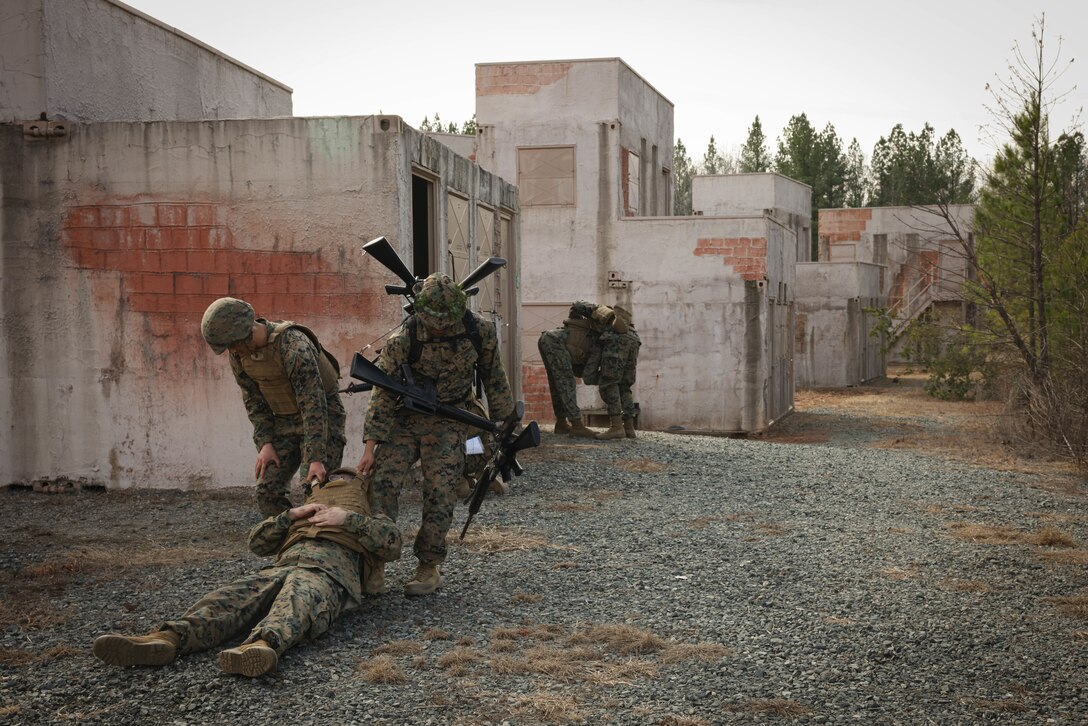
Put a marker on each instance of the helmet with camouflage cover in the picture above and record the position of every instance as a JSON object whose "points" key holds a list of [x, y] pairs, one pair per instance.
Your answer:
{"points": [[227, 321], [624, 320], [440, 302]]}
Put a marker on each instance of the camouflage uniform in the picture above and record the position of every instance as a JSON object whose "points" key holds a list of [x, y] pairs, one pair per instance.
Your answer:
{"points": [[315, 433], [614, 362], [402, 436], [299, 596], [552, 345]]}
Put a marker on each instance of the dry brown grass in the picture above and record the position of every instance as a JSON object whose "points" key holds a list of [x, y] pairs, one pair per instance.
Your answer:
{"points": [[458, 657], [504, 634], [548, 707], [382, 669], [571, 507], [966, 431], [772, 706], [435, 634], [621, 639], [605, 495], [770, 529], [1048, 536], [12, 710], [909, 572], [502, 646], [1071, 606], [503, 539], [565, 565], [1065, 557], [17, 658], [526, 597], [399, 647], [673, 720], [30, 610], [641, 466], [702, 522], [1053, 537]]}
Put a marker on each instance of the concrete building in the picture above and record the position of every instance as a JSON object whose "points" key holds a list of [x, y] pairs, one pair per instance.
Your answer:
{"points": [[589, 144], [116, 235], [918, 250], [101, 60]]}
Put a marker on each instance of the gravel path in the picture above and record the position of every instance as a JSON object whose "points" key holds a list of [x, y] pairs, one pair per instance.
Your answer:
{"points": [[667, 580]]}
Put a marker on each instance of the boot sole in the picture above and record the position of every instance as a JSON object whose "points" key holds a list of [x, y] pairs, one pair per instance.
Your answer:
{"points": [[120, 651], [251, 662], [418, 589]]}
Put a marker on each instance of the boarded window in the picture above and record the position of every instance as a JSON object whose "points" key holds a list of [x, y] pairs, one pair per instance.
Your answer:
{"points": [[457, 236], [546, 176]]}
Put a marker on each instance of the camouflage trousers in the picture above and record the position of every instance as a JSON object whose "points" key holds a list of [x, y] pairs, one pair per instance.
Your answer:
{"points": [[275, 483], [552, 345], [279, 605], [439, 445], [619, 359]]}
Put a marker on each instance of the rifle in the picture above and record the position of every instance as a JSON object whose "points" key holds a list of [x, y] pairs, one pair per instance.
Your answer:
{"points": [[422, 398], [380, 249], [505, 460]]}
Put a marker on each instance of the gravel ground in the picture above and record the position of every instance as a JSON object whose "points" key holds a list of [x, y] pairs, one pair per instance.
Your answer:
{"points": [[666, 580]]}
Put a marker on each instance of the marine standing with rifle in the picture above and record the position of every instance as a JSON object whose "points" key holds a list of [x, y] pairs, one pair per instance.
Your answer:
{"points": [[289, 387], [449, 345]]}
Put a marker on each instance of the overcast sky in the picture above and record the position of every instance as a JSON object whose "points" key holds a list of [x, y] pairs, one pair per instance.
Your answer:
{"points": [[862, 65]]}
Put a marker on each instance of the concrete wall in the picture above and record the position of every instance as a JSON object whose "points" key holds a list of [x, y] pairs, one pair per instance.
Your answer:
{"points": [[786, 200], [834, 347], [852, 235], [101, 60], [711, 295], [117, 236]]}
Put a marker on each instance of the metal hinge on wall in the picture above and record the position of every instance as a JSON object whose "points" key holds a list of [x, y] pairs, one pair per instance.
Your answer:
{"points": [[616, 281], [43, 129]]}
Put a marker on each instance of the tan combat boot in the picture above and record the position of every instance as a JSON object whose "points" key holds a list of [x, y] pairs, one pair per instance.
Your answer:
{"points": [[428, 579], [250, 660], [153, 649], [629, 428], [579, 429], [615, 429], [562, 426], [375, 579]]}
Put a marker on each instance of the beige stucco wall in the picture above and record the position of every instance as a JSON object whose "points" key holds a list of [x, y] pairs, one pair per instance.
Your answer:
{"points": [[834, 347], [99, 60], [117, 236]]}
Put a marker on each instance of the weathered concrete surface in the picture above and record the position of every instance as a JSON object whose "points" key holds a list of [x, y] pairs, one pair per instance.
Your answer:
{"points": [[785, 200], [116, 238], [711, 294], [834, 347], [101, 60]]}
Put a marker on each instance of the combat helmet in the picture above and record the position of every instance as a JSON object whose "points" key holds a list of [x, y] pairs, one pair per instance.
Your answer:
{"points": [[440, 302], [624, 320], [227, 321]]}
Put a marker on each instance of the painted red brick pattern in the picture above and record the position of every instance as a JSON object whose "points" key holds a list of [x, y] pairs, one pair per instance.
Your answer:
{"points": [[843, 225], [535, 393], [746, 255], [520, 79], [174, 258]]}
